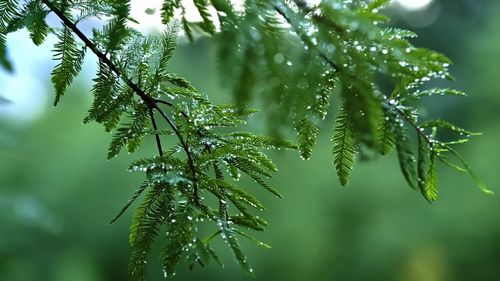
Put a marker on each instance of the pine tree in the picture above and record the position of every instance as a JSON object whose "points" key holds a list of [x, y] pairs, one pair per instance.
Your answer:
{"points": [[292, 56]]}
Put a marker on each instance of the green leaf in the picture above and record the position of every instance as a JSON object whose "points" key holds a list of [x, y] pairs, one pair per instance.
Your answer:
{"points": [[439, 92], [257, 242], [405, 154], [237, 194], [479, 182], [452, 165], [377, 4], [439, 123], [228, 235], [422, 164], [136, 194]]}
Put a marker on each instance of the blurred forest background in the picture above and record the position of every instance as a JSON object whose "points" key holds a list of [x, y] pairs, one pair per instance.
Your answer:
{"points": [[57, 191]]}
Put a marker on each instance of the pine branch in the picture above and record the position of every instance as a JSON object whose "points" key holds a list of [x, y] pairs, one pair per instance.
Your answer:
{"points": [[149, 101], [280, 9]]}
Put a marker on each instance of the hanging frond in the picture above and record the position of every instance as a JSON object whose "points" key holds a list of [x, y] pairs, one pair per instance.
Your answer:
{"points": [[405, 152], [179, 236], [167, 10], [203, 9], [35, 22], [477, 180], [8, 12], [136, 194], [229, 235], [131, 134], [431, 192], [439, 123], [307, 133], [70, 59], [145, 225], [385, 136], [344, 145]]}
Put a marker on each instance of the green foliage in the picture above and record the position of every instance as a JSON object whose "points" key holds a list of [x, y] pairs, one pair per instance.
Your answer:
{"points": [[293, 55]]}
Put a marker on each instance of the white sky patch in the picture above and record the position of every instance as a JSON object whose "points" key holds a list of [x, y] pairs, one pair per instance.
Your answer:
{"points": [[26, 88], [413, 5], [147, 22], [313, 3], [151, 22], [27, 96]]}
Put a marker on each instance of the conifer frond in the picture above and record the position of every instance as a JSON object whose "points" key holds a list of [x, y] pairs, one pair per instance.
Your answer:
{"points": [[405, 153], [344, 145], [145, 225], [426, 179], [454, 166], [253, 171], [431, 192], [260, 141], [116, 31], [134, 196], [203, 8], [70, 59], [307, 133], [229, 235], [257, 242], [179, 238], [439, 123], [8, 10], [386, 139], [438, 92], [167, 10], [8, 13], [111, 99], [477, 180], [34, 20], [130, 134]]}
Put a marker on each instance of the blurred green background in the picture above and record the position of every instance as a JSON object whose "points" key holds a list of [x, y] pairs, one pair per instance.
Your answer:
{"points": [[57, 191]]}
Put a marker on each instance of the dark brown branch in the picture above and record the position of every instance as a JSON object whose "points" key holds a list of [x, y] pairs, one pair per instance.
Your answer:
{"points": [[157, 136], [185, 147], [309, 44], [102, 57]]}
